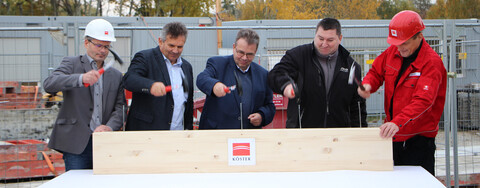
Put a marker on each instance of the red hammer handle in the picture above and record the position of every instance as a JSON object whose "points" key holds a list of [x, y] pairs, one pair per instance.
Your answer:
{"points": [[101, 71], [168, 88]]}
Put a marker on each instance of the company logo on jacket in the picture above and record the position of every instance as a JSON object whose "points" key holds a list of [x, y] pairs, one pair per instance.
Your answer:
{"points": [[414, 74]]}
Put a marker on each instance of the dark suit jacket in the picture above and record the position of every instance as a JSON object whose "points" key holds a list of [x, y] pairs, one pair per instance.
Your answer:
{"points": [[148, 112], [71, 131], [224, 112]]}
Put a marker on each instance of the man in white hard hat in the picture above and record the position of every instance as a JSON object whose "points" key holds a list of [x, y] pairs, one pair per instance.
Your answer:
{"points": [[93, 102], [415, 86]]}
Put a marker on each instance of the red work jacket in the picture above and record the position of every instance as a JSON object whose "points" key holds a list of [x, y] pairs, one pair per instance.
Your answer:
{"points": [[419, 97]]}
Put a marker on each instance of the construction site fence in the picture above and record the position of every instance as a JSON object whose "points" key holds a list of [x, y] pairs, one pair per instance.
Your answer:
{"points": [[25, 115]]}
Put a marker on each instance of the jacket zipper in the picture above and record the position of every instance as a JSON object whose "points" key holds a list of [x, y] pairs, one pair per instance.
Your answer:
{"points": [[328, 111], [326, 100], [319, 69]]}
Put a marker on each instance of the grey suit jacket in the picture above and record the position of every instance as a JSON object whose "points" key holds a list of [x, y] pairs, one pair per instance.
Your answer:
{"points": [[71, 131]]}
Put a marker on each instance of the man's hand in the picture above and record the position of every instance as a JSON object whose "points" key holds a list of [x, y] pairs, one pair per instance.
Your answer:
{"points": [[255, 119], [288, 92], [103, 128], [91, 77], [388, 130], [158, 89], [365, 94], [219, 89]]}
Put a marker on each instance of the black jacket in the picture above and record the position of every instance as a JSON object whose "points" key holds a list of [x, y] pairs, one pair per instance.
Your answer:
{"points": [[148, 112], [338, 108]]}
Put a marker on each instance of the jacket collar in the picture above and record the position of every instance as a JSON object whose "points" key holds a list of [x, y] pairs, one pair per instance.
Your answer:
{"points": [[342, 65], [419, 61], [85, 63], [161, 64], [87, 67], [342, 52], [341, 58]]}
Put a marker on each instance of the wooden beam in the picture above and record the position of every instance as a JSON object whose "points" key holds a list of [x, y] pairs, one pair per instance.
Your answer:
{"points": [[276, 150]]}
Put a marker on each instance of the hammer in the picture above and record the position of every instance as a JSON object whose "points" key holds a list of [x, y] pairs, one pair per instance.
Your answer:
{"points": [[108, 65], [352, 77]]}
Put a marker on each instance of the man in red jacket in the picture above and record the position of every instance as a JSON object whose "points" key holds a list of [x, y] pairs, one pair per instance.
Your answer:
{"points": [[415, 86]]}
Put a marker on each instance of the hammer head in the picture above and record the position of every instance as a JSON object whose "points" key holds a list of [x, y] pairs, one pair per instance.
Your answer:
{"points": [[185, 84], [115, 55], [351, 76]]}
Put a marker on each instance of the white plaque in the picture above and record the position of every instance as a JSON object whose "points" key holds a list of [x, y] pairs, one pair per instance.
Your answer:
{"points": [[241, 151]]}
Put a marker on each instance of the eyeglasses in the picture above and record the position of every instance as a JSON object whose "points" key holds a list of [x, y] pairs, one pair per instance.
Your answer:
{"points": [[100, 46], [242, 53]]}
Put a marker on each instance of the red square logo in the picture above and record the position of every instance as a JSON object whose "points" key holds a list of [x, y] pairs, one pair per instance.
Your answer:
{"points": [[106, 32], [241, 149]]}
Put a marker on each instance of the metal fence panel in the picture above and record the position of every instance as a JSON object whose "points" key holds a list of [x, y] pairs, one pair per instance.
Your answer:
{"points": [[29, 56]]}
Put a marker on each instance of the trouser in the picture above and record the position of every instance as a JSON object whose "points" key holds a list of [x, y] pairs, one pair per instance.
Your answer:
{"points": [[83, 160], [418, 151]]}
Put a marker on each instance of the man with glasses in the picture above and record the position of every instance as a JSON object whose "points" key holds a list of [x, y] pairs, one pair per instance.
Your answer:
{"points": [[96, 108], [246, 105], [151, 73], [315, 77]]}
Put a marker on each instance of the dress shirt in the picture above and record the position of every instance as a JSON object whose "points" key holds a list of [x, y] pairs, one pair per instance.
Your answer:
{"points": [[175, 73], [97, 98]]}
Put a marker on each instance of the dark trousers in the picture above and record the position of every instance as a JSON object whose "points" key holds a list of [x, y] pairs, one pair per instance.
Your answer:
{"points": [[418, 151], [83, 160]]}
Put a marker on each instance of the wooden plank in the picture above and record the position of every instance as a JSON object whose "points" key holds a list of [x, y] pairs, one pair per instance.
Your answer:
{"points": [[277, 150]]}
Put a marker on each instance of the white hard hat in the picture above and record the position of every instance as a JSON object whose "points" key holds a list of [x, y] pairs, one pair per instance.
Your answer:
{"points": [[100, 29]]}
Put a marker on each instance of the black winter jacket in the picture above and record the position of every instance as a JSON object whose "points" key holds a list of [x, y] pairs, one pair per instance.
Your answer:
{"points": [[338, 108]]}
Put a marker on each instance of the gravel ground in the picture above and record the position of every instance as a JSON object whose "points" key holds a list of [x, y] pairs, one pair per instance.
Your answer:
{"points": [[25, 184]]}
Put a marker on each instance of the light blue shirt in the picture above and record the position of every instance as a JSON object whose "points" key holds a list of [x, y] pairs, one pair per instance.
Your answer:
{"points": [[244, 71], [179, 97], [97, 98]]}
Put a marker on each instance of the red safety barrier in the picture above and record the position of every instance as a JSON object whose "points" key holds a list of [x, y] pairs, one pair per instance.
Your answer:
{"points": [[24, 159]]}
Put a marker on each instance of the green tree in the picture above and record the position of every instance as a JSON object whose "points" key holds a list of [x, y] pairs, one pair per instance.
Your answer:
{"points": [[454, 9], [458, 9], [296, 9], [438, 10], [309, 9], [229, 10], [26, 7], [422, 6], [171, 8], [252, 9], [388, 8], [71, 7], [354, 9], [281, 9]]}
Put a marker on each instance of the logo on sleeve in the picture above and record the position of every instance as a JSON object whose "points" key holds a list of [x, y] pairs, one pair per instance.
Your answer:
{"points": [[426, 88]]}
